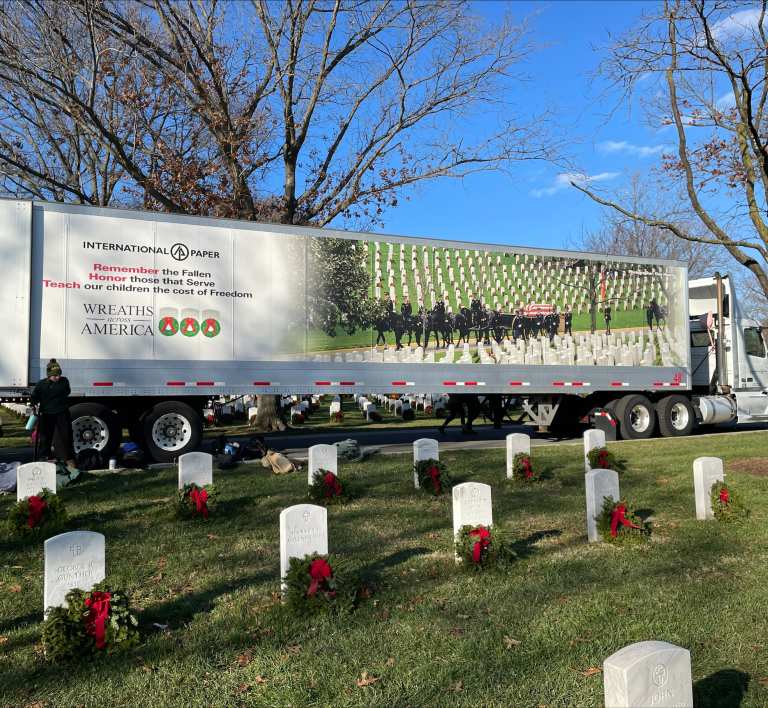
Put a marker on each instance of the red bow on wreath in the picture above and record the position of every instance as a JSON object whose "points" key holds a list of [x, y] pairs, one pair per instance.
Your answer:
{"points": [[332, 485], [37, 506], [618, 517], [602, 459], [199, 498], [434, 475], [98, 604], [527, 469], [484, 540], [725, 496], [320, 571]]}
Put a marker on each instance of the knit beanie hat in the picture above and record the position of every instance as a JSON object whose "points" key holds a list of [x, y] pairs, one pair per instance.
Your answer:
{"points": [[53, 368]]}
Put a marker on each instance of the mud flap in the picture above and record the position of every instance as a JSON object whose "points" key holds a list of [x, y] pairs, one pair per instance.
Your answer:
{"points": [[603, 419]]}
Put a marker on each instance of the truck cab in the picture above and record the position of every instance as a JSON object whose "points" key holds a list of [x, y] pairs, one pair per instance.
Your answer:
{"points": [[743, 347]]}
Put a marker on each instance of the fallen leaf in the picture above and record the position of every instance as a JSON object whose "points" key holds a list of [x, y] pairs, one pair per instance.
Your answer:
{"points": [[15, 588], [245, 658], [456, 631], [366, 680], [243, 688], [591, 671], [260, 680], [294, 649], [457, 687], [3, 640], [510, 643], [212, 536], [157, 578], [390, 661], [36, 704], [433, 535], [763, 681]]}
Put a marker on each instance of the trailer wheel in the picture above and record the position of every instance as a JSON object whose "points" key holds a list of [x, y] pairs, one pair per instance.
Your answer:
{"points": [[676, 416], [171, 429], [95, 427], [637, 417]]}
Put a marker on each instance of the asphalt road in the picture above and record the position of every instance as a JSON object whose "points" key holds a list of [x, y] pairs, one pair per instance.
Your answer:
{"points": [[391, 441]]}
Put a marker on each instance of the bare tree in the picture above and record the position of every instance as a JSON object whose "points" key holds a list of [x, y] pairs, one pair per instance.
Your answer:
{"points": [[302, 111], [706, 62], [621, 235]]}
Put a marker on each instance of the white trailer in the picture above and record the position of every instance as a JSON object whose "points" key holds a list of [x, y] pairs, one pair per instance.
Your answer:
{"points": [[151, 315]]}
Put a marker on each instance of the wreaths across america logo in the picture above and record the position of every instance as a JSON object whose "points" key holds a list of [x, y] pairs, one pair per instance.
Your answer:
{"points": [[189, 324]]}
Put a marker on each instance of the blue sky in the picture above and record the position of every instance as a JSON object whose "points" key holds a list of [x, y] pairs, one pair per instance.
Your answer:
{"points": [[532, 206]]}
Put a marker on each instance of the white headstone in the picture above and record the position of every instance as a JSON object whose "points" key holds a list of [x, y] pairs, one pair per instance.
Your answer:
{"points": [[322, 457], [303, 531], [592, 438], [335, 407], [471, 505], [516, 443], [33, 477], [706, 471], [599, 485], [72, 560], [648, 675], [195, 468], [424, 449]]}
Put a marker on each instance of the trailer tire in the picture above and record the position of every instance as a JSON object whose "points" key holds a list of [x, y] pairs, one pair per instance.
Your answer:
{"points": [[171, 429], [637, 417], [95, 427], [676, 416]]}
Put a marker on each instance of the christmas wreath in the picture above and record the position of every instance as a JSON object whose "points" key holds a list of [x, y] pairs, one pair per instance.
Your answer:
{"points": [[523, 470], [408, 414], [297, 418], [375, 417], [433, 476], [326, 487], [618, 523], [727, 506], [482, 547], [318, 583], [40, 515], [337, 417], [601, 458], [196, 502], [428, 410], [93, 621]]}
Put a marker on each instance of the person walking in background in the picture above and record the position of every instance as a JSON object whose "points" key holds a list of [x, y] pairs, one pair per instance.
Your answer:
{"points": [[455, 409], [54, 426], [607, 316], [649, 315]]}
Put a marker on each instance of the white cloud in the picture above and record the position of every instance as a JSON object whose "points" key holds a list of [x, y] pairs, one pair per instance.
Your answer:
{"points": [[612, 146], [727, 100], [736, 25], [564, 179]]}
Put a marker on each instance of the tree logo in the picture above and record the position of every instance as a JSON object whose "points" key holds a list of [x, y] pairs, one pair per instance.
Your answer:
{"points": [[211, 327], [179, 252], [189, 327], [168, 326]]}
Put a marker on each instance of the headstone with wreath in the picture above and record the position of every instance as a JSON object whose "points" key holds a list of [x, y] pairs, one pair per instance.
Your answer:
{"points": [[72, 560], [471, 505], [592, 438], [195, 468], [303, 531], [33, 477], [322, 457], [599, 485], [706, 471], [517, 443], [424, 449]]}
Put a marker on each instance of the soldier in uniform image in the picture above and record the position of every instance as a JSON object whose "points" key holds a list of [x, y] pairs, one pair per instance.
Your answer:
{"points": [[568, 320], [405, 309], [518, 325], [476, 306], [607, 316]]}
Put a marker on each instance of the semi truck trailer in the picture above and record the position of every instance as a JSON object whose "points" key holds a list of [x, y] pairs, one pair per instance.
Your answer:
{"points": [[152, 315]]}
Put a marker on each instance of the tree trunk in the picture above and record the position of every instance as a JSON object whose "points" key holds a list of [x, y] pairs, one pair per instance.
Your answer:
{"points": [[268, 420]]}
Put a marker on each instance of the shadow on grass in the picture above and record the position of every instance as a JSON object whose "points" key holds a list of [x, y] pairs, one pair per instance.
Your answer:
{"points": [[525, 546], [13, 623], [723, 689], [396, 558]]}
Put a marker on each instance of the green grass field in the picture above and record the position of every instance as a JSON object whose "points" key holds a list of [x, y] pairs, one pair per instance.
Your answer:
{"points": [[431, 634], [14, 433]]}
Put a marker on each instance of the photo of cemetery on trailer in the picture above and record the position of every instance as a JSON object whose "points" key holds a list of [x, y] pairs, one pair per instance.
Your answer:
{"points": [[469, 304]]}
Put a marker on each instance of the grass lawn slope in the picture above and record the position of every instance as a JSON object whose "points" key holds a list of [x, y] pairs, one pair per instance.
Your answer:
{"points": [[535, 635]]}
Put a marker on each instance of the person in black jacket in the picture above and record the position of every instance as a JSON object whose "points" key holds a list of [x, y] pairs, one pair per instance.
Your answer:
{"points": [[54, 425], [568, 320], [607, 316]]}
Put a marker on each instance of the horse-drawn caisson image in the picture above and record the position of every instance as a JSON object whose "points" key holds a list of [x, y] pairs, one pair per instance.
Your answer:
{"points": [[409, 301]]}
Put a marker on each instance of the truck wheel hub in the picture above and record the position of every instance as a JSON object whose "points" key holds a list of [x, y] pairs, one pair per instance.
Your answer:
{"points": [[171, 432], [89, 433]]}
